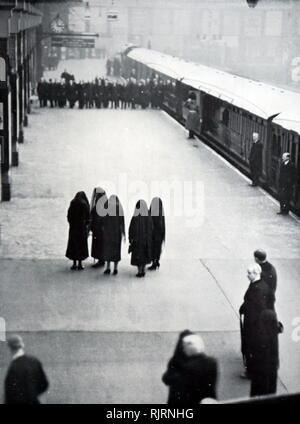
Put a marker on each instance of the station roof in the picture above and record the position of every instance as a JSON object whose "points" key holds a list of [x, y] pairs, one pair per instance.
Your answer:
{"points": [[259, 98]]}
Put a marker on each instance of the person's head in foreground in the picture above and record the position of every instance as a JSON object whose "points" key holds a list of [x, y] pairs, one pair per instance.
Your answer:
{"points": [[15, 343], [193, 345]]}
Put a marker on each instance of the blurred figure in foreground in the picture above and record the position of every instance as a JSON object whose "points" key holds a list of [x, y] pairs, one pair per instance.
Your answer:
{"points": [[25, 379], [191, 374]]}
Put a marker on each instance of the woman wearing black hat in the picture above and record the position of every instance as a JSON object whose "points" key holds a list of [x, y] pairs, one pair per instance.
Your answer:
{"points": [[140, 237], [78, 218], [265, 362], [113, 231], [159, 230]]}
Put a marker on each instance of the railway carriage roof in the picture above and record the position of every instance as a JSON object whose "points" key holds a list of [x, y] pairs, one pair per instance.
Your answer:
{"points": [[261, 99]]}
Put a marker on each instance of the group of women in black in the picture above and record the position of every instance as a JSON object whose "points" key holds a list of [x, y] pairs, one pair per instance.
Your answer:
{"points": [[104, 219]]}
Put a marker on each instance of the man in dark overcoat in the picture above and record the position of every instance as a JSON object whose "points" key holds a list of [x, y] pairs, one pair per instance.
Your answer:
{"points": [[287, 179], [268, 274], [257, 298], [255, 159], [25, 379]]}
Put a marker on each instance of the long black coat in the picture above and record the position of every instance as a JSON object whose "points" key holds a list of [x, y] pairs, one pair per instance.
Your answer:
{"points": [[193, 380], [97, 238], [265, 361], [140, 239], [193, 118], [286, 175], [158, 238], [25, 381], [159, 228], [113, 230], [96, 222], [257, 298], [287, 179], [255, 159], [269, 275], [78, 218]]}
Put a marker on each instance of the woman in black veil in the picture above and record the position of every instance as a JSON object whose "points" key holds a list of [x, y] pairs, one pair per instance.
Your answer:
{"points": [[96, 226], [113, 231], [159, 230], [140, 237], [78, 218]]}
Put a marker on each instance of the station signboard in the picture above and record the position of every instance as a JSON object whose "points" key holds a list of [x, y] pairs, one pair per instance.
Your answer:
{"points": [[73, 42]]}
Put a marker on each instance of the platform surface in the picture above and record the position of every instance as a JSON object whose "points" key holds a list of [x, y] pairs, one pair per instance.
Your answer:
{"points": [[108, 339]]}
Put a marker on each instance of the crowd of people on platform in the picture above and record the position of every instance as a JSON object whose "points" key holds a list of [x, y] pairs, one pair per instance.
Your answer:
{"points": [[104, 220], [191, 375], [100, 93]]}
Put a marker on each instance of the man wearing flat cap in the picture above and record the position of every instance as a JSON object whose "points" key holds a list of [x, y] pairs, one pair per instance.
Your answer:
{"points": [[25, 379]]}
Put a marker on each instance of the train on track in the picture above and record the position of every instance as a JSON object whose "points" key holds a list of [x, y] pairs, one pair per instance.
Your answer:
{"points": [[231, 109]]}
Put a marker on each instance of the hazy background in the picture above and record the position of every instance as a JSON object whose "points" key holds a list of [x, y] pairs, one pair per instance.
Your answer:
{"points": [[261, 43]]}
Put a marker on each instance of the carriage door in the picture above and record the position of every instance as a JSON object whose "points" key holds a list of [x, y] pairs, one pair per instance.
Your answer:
{"points": [[275, 152], [293, 148], [200, 97]]}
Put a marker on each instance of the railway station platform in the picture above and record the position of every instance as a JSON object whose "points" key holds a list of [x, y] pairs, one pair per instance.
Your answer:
{"points": [[108, 339]]}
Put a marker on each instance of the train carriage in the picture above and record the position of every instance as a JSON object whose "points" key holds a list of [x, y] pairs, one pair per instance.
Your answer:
{"points": [[231, 109]]}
